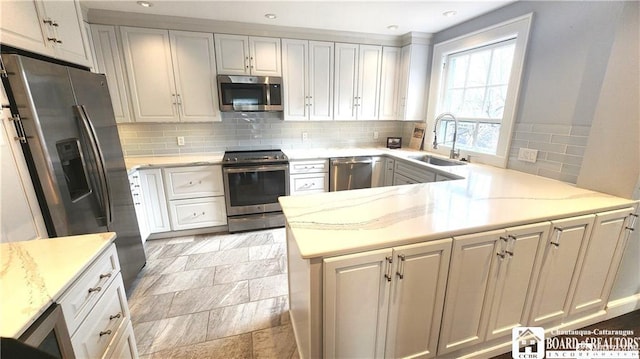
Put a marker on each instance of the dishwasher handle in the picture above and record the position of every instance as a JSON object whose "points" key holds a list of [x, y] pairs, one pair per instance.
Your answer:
{"points": [[350, 160]]}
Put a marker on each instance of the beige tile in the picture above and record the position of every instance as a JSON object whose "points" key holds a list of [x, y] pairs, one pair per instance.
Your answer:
{"points": [[268, 251], [207, 298], [172, 332], [175, 282], [141, 286], [268, 287], [236, 347], [173, 250], [149, 308], [246, 240], [248, 270], [276, 342], [204, 245], [244, 318], [212, 259], [165, 265]]}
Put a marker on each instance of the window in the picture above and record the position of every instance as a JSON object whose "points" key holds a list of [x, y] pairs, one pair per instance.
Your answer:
{"points": [[476, 78]]}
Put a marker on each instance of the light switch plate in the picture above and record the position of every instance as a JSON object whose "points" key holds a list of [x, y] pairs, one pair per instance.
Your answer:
{"points": [[527, 155], [180, 140]]}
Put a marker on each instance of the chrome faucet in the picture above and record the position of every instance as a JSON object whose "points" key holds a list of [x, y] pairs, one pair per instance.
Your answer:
{"points": [[453, 154]]}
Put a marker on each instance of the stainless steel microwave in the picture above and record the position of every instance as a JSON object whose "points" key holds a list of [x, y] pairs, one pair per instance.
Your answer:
{"points": [[250, 93]]}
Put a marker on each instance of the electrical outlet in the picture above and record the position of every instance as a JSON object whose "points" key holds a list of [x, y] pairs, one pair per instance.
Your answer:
{"points": [[527, 155], [180, 140], [305, 136], [375, 135]]}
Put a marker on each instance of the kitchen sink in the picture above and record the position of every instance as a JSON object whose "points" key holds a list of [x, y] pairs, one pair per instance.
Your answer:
{"points": [[437, 161]]}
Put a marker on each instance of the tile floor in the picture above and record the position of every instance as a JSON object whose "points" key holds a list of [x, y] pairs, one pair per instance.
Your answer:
{"points": [[214, 296]]}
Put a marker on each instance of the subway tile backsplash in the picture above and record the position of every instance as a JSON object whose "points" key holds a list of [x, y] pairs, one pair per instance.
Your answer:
{"points": [[560, 149], [254, 131]]}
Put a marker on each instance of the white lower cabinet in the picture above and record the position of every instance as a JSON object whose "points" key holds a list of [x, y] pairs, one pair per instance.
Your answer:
{"points": [[308, 176], [386, 302], [196, 197], [603, 255], [560, 269], [155, 201], [488, 289], [96, 311]]}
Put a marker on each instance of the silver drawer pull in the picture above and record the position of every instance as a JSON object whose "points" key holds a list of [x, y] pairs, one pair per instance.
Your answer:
{"points": [[117, 316], [106, 332], [96, 289], [102, 276]]}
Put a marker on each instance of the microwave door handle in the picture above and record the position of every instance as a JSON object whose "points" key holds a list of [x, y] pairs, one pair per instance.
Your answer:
{"points": [[91, 135]]}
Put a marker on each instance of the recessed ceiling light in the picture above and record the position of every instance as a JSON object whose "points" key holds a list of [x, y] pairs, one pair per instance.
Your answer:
{"points": [[145, 4], [270, 16], [392, 27], [450, 13]]}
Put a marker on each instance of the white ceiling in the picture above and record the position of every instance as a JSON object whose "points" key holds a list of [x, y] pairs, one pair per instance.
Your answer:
{"points": [[359, 16]]}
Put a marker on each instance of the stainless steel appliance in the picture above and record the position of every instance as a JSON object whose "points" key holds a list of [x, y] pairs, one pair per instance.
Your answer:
{"points": [[253, 181], [250, 93], [350, 173], [65, 120], [49, 334]]}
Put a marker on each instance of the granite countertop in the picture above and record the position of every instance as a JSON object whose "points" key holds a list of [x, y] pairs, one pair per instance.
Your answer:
{"points": [[35, 273], [335, 223], [137, 162]]}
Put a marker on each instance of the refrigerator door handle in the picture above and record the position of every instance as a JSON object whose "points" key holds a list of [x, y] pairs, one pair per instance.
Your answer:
{"points": [[90, 132]]}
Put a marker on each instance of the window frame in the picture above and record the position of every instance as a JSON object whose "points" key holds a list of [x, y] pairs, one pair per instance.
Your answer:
{"points": [[519, 28]]}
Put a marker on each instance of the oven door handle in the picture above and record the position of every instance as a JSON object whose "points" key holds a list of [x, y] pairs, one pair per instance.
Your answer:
{"points": [[256, 168]]}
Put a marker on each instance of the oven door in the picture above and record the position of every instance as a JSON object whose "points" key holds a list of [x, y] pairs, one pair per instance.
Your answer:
{"points": [[255, 189]]}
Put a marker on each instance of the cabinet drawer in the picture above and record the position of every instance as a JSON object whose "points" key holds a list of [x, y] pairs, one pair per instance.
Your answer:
{"points": [[309, 166], [309, 183], [193, 182], [82, 296], [197, 213], [104, 324], [399, 179], [124, 346], [419, 174]]}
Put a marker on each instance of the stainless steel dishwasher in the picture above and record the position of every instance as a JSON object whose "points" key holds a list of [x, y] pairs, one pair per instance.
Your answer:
{"points": [[350, 173]]}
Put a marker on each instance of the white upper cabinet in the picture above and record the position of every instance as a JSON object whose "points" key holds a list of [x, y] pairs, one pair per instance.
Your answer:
{"points": [[109, 62], [51, 28], [171, 75], [389, 83], [412, 84], [248, 55], [307, 79], [20, 218], [357, 81]]}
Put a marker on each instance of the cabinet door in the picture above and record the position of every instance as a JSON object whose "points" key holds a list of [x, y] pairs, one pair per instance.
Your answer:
{"points": [[294, 78], [519, 266], [21, 217], [600, 265], [413, 82], [147, 55], [559, 271], [368, 96], [21, 26], [69, 30], [346, 76], [154, 200], [389, 83], [264, 56], [417, 298], [195, 75], [472, 275], [109, 62], [232, 53], [356, 294], [320, 80], [390, 164], [377, 172]]}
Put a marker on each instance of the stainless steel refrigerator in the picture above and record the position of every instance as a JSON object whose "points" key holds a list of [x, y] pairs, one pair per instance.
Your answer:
{"points": [[73, 152]]}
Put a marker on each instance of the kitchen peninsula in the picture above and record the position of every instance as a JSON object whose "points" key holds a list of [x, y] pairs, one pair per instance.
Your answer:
{"points": [[353, 255]]}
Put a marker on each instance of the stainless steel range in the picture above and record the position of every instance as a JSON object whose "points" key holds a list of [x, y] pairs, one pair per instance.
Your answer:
{"points": [[253, 181]]}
